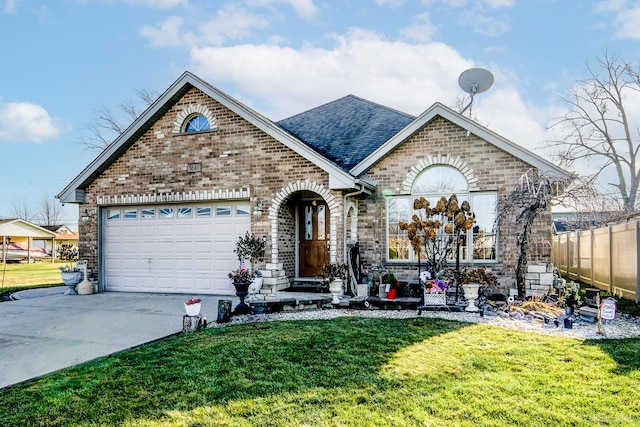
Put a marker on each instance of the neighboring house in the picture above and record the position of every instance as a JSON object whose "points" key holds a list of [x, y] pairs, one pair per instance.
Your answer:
{"points": [[64, 237], [164, 204], [17, 238]]}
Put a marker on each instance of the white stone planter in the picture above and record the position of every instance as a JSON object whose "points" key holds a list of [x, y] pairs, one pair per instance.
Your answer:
{"points": [[335, 287], [471, 293], [192, 309]]}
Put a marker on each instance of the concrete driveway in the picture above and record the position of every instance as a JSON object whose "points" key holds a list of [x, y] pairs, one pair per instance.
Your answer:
{"points": [[46, 331]]}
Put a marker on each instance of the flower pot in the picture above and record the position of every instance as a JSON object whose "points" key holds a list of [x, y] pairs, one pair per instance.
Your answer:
{"points": [[71, 279], [471, 293], [335, 287], [392, 293], [193, 309], [242, 290]]}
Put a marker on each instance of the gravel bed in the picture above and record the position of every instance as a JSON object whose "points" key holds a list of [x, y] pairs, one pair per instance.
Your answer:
{"points": [[624, 326]]}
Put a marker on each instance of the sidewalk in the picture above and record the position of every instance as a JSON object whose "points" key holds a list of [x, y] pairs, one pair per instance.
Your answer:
{"points": [[45, 331]]}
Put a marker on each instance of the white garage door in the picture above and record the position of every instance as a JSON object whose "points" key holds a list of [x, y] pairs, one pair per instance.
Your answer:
{"points": [[174, 248]]}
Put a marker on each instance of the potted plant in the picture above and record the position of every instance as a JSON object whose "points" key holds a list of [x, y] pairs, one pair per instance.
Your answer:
{"points": [[192, 306], [335, 274], [392, 285], [472, 280], [252, 248], [241, 279], [571, 297], [71, 276]]}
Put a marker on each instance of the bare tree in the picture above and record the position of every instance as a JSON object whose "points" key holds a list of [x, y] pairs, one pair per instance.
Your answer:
{"points": [[531, 198], [48, 212], [107, 125], [597, 126], [22, 210]]}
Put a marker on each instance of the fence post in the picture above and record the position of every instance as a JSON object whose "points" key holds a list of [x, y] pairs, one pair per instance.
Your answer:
{"points": [[637, 262], [610, 227]]}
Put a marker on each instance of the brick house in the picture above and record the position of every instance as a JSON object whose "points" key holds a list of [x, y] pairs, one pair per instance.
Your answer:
{"points": [[164, 204]]}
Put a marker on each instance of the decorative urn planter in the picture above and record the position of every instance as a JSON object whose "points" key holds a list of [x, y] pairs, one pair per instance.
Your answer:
{"points": [[71, 279], [192, 309], [471, 293], [242, 290], [335, 287]]}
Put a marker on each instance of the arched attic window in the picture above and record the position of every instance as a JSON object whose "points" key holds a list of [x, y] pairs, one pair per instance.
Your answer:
{"points": [[196, 123]]}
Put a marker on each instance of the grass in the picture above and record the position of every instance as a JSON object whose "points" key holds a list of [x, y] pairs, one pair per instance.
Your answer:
{"points": [[23, 276], [343, 372]]}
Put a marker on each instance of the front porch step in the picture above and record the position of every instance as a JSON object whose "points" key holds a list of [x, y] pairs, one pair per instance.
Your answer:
{"points": [[308, 284], [291, 304]]}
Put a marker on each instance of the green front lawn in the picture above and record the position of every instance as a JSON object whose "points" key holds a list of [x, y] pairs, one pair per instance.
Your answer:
{"points": [[22, 276], [344, 372]]}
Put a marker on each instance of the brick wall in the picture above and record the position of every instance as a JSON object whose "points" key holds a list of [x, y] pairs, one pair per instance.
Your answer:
{"points": [[495, 169]]}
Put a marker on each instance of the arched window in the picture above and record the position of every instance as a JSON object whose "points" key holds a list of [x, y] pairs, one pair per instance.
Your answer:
{"points": [[434, 182], [197, 123], [440, 179]]}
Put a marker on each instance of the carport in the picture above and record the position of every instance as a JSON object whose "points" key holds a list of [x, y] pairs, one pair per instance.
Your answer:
{"points": [[20, 230]]}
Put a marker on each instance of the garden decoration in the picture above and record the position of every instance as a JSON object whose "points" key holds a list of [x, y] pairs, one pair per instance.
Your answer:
{"points": [[391, 285], [335, 274], [71, 276], [192, 306], [252, 248], [241, 279], [571, 298]]}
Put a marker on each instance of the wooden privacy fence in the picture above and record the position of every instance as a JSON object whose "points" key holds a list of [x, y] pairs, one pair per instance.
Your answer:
{"points": [[605, 258]]}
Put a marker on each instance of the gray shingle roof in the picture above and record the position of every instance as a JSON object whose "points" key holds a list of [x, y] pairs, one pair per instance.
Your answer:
{"points": [[346, 130]]}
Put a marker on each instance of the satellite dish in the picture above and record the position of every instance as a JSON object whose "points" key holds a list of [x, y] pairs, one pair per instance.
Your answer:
{"points": [[473, 81]]}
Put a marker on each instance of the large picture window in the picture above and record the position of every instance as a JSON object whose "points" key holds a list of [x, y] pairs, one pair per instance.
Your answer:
{"points": [[479, 244]]}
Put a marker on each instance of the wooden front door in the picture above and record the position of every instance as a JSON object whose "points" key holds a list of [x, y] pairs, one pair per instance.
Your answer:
{"points": [[314, 238]]}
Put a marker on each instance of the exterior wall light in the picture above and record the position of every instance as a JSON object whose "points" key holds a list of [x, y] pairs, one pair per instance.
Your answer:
{"points": [[86, 217], [257, 210]]}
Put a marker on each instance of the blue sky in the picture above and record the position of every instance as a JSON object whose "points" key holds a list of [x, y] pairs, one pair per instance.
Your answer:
{"points": [[63, 59]]}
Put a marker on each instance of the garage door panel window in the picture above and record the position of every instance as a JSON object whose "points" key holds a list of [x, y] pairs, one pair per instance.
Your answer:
{"points": [[148, 213], [113, 214], [243, 210], [203, 212], [165, 213], [185, 212], [130, 214], [223, 211]]}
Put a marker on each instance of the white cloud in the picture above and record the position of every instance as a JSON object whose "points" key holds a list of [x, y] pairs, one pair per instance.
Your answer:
{"points": [[168, 33], [390, 3], [627, 18], [11, 6], [159, 4], [409, 77], [421, 31], [26, 122], [231, 23], [304, 8]]}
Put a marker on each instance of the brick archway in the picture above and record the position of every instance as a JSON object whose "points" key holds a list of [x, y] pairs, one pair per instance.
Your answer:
{"points": [[284, 194]]}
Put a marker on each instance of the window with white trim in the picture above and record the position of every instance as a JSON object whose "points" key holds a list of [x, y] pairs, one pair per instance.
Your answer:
{"points": [[434, 182]]}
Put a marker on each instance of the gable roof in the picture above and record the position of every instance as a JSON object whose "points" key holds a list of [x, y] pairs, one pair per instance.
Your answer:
{"points": [[21, 228], [446, 113], [74, 192], [346, 130]]}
